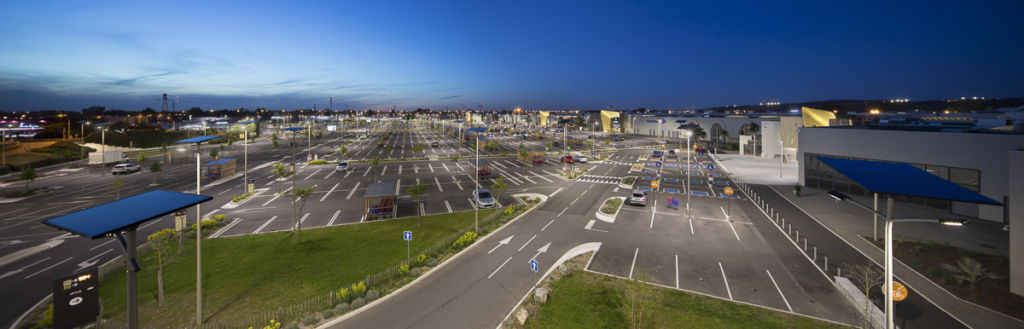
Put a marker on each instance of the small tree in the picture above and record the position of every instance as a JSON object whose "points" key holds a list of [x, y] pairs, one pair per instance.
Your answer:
{"points": [[274, 139], [416, 191], [280, 171], [373, 166], [155, 168], [213, 153], [116, 185], [298, 195], [498, 187], [871, 276], [140, 158], [417, 148], [163, 149], [638, 297], [342, 150], [455, 158], [28, 174], [969, 271], [159, 241]]}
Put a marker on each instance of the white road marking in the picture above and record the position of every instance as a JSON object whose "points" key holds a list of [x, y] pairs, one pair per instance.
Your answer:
{"points": [[353, 190], [527, 243], [631, 267], [303, 219], [226, 228], [653, 212], [546, 226], [330, 173], [445, 167], [438, 182], [384, 170], [329, 192], [431, 168], [336, 213], [562, 212], [347, 173], [49, 267], [456, 181], [556, 191], [211, 213], [727, 290], [313, 174], [691, 226], [526, 178], [734, 231], [499, 267], [779, 290], [542, 177], [367, 171], [398, 186], [446, 205], [264, 224]]}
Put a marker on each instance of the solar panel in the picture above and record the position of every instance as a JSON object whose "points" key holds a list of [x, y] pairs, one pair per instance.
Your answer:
{"points": [[118, 215], [903, 179], [198, 139]]}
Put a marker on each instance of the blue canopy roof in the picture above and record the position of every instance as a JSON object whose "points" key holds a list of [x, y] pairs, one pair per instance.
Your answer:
{"points": [[477, 129], [198, 139], [293, 128], [245, 122], [903, 179], [218, 162], [118, 215]]}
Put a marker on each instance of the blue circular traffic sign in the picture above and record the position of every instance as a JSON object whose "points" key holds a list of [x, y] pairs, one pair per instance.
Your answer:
{"points": [[711, 167], [657, 164], [700, 154]]}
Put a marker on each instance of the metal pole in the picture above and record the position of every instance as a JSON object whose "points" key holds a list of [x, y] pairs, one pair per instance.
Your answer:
{"points": [[199, 253], [132, 280], [874, 230], [407, 254], [3, 145], [245, 161], [103, 151], [888, 263], [81, 150], [781, 154], [476, 184], [688, 192]]}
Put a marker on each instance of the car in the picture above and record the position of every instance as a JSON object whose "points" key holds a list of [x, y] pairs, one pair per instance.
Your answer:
{"points": [[125, 168], [483, 198], [363, 136], [579, 158], [568, 159], [429, 138], [638, 198], [341, 166], [657, 154], [556, 144], [434, 144], [618, 138], [672, 153]]}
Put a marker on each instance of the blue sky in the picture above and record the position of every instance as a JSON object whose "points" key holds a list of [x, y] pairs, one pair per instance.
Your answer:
{"points": [[535, 54]]}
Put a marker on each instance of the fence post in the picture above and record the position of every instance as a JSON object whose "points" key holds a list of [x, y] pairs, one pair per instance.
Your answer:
{"points": [[815, 253], [826, 264], [798, 237], [805, 243]]}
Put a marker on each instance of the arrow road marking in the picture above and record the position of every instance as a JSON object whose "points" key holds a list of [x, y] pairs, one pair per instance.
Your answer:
{"points": [[542, 250], [501, 243], [92, 261]]}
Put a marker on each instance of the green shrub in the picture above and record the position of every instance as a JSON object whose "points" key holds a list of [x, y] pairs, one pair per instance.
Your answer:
{"points": [[341, 308], [47, 320], [292, 325], [309, 320], [344, 294], [432, 262], [328, 313], [464, 240], [318, 161], [372, 295], [359, 302], [420, 260], [358, 289], [611, 206], [403, 270], [416, 272]]}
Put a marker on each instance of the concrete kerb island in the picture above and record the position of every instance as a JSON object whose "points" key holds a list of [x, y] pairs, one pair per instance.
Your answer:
{"points": [[232, 204], [606, 217], [630, 186], [543, 198], [575, 251]]}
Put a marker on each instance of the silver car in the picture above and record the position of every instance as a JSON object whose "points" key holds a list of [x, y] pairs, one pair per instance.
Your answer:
{"points": [[638, 198], [125, 168]]}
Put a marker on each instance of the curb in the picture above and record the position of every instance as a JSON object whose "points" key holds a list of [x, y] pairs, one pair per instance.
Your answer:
{"points": [[610, 218]]}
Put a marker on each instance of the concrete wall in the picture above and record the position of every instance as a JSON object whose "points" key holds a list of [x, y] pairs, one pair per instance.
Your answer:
{"points": [[1016, 203], [642, 127], [770, 135], [987, 153]]}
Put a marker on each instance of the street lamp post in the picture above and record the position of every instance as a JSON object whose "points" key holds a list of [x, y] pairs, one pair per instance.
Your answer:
{"points": [[889, 221], [688, 134]]}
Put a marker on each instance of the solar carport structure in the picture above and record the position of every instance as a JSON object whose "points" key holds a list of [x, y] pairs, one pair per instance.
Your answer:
{"points": [[120, 219], [891, 179]]}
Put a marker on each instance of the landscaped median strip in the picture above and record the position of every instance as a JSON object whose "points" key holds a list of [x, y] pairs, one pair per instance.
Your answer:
{"points": [[242, 276]]}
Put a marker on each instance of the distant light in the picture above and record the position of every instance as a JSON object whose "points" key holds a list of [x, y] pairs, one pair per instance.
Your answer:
{"points": [[874, 111]]}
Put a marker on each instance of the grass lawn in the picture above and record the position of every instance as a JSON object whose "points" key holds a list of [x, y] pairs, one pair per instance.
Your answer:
{"points": [[253, 273], [927, 257], [588, 300]]}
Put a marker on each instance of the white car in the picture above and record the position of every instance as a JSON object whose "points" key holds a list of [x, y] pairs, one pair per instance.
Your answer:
{"points": [[125, 168], [341, 166], [638, 198], [580, 158]]}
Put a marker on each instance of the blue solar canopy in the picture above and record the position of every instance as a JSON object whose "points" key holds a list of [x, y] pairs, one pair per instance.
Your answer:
{"points": [[903, 179], [245, 122], [197, 139], [477, 129], [217, 162], [293, 128], [118, 215]]}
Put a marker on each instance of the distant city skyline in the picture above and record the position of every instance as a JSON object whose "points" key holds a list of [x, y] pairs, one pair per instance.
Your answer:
{"points": [[587, 55]]}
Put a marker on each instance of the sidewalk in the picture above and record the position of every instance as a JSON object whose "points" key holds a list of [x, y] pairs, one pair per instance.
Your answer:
{"points": [[849, 223]]}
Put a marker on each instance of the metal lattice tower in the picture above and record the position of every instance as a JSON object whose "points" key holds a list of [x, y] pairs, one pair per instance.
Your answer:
{"points": [[163, 107]]}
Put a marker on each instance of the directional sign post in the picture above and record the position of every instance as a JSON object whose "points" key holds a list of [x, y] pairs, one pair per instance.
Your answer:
{"points": [[533, 265], [407, 236]]}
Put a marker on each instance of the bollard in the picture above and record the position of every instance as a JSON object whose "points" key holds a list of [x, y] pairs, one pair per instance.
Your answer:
{"points": [[826, 264], [839, 271], [798, 237], [815, 253], [783, 221], [790, 228], [776, 217], [805, 243]]}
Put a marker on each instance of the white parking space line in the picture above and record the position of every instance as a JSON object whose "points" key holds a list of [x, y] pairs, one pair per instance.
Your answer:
{"points": [[779, 290], [631, 267], [727, 289], [542, 177], [226, 228], [526, 178], [446, 205], [385, 170], [431, 168], [734, 231], [399, 169], [691, 226], [367, 171], [258, 229], [313, 174], [303, 219], [456, 181], [48, 267], [347, 173], [333, 218], [211, 213], [398, 186], [353, 190], [653, 212], [438, 183], [329, 192], [556, 192], [445, 167], [330, 173], [527, 243]]}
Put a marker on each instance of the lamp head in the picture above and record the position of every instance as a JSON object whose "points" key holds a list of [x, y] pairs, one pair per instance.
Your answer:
{"points": [[838, 196], [954, 222]]}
